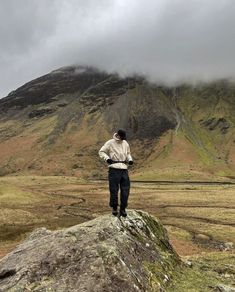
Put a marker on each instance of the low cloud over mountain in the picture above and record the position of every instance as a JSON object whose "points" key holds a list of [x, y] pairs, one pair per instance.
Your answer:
{"points": [[168, 41]]}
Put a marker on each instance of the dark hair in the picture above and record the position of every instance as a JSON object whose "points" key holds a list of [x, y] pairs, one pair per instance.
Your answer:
{"points": [[122, 134]]}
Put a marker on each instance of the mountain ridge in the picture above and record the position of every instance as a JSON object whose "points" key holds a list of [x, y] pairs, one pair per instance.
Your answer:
{"points": [[64, 117]]}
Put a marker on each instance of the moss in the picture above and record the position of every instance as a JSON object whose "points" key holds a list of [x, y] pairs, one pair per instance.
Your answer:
{"points": [[204, 274], [192, 279], [156, 276], [160, 273], [160, 234]]}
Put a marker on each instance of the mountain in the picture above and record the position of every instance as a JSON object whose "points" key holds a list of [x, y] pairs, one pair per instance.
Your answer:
{"points": [[105, 254], [55, 125]]}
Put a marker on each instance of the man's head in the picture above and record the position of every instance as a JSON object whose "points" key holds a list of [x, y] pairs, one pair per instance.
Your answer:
{"points": [[122, 134]]}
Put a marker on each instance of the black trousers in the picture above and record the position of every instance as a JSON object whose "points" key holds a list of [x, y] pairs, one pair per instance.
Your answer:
{"points": [[119, 178]]}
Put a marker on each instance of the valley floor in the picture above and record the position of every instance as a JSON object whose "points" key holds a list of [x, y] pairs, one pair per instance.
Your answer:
{"points": [[200, 218]]}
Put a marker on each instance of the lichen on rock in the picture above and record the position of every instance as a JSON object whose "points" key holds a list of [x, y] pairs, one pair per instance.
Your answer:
{"points": [[105, 254]]}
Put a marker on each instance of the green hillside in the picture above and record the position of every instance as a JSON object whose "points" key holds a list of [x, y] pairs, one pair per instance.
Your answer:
{"points": [[55, 125]]}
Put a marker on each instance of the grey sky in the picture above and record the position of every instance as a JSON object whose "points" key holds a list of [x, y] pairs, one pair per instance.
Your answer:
{"points": [[167, 40]]}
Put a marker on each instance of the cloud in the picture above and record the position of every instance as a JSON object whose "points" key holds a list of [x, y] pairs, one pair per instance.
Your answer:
{"points": [[169, 41]]}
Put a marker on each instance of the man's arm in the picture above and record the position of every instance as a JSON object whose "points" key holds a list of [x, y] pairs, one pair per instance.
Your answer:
{"points": [[104, 151], [129, 158]]}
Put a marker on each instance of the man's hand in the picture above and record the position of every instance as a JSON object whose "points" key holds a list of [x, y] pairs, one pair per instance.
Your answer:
{"points": [[131, 162], [109, 161]]}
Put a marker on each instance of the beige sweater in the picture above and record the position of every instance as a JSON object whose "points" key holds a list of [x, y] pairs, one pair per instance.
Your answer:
{"points": [[117, 150]]}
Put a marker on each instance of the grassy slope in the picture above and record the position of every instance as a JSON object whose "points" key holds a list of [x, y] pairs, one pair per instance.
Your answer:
{"points": [[205, 274], [63, 144], [193, 151]]}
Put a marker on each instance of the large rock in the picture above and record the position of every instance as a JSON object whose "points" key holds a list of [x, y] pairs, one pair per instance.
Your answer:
{"points": [[105, 254]]}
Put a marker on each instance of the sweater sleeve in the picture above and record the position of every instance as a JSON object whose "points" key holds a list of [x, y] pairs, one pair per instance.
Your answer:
{"points": [[129, 158], [104, 151]]}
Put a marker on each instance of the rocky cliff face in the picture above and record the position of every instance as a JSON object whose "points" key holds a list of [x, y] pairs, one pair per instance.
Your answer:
{"points": [[105, 254], [44, 89], [56, 124]]}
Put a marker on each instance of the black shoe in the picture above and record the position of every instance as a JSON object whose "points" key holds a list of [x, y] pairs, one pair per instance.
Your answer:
{"points": [[115, 212], [123, 213]]}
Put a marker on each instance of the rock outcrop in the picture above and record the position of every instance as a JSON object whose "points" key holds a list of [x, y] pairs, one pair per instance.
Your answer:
{"points": [[106, 254]]}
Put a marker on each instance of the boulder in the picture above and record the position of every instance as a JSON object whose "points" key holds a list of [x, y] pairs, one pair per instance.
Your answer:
{"points": [[105, 254]]}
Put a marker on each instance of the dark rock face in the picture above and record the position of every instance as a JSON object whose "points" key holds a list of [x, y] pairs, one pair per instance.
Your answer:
{"points": [[105, 254], [42, 90], [222, 124], [41, 112], [152, 127], [130, 103], [142, 113], [105, 93]]}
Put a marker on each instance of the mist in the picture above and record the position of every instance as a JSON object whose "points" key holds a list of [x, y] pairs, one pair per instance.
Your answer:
{"points": [[168, 41]]}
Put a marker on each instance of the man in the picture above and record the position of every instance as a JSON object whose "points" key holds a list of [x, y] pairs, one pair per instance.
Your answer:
{"points": [[116, 152]]}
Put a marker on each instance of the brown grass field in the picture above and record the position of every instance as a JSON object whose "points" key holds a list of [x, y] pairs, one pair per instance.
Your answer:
{"points": [[199, 217]]}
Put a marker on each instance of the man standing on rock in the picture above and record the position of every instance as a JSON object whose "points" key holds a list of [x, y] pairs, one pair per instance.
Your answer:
{"points": [[116, 152]]}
